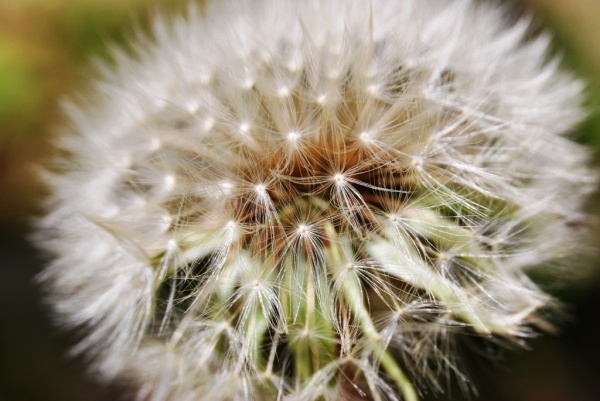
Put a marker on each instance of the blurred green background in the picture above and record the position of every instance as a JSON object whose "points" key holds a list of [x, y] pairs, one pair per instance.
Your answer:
{"points": [[45, 52]]}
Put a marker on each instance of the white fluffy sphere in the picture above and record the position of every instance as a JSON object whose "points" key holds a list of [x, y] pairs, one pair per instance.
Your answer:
{"points": [[313, 200]]}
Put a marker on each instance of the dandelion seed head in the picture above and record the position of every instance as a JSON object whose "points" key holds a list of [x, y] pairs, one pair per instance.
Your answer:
{"points": [[373, 89], [366, 137], [244, 127], [417, 163], [260, 189], [169, 182], [293, 136], [283, 91], [314, 200]]}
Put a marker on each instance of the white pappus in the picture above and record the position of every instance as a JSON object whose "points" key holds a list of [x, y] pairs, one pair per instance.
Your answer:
{"points": [[279, 200]]}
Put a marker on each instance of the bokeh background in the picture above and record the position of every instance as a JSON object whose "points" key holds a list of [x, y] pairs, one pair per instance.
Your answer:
{"points": [[46, 48]]}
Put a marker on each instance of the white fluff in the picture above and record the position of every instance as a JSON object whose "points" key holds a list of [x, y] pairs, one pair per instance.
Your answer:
{"points": [[314, 199]]}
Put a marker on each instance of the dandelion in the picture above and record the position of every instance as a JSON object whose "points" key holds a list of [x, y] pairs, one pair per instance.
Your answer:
{"points": [[314, 200]]}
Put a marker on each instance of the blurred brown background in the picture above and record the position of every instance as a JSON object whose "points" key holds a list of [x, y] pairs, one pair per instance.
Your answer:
{"points": [[45, 52]]}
